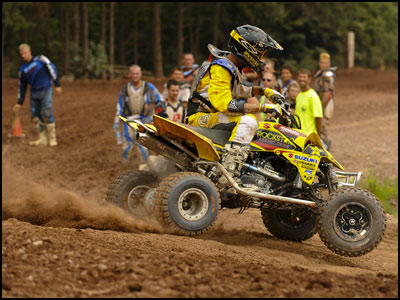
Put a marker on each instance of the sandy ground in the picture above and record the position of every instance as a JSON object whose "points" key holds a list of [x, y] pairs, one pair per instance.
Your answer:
{"points": [[57, 241]]}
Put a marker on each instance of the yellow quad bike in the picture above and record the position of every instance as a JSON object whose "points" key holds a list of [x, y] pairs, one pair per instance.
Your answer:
{"points": [[284, 176]]}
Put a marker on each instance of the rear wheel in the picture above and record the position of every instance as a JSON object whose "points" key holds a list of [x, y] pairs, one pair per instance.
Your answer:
{"points": [[187, 203], [352, 222], [298, 224], [130, 189], [295, 225]]}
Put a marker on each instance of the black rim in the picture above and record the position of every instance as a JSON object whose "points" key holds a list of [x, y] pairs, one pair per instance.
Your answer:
{"points": [[352, 222], [293, 218]]}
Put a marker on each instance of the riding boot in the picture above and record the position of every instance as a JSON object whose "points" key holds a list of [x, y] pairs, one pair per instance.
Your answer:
{"points": [[233, 159], [51, 134], [41, 129]]}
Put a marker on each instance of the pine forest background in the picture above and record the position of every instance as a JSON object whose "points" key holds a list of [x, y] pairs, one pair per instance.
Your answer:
{"points": [[86, 38]]}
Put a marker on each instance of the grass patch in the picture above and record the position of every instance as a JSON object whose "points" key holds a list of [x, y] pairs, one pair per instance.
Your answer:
{"points": [[386, 190]]}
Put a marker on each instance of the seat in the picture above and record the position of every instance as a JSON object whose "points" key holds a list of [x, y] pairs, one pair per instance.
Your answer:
{"points": [[219, 133]]}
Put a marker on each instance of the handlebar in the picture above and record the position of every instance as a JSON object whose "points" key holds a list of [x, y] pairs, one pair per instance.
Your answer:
{"points": [[288, 119]]}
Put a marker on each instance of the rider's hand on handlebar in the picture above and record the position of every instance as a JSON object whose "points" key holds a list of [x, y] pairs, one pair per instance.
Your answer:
{"points": [[274, 110], [274, 96]]}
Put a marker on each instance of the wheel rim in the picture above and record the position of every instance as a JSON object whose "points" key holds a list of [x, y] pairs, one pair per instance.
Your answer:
{"points": [[136, 197], [352, 222], [193, 204], [293, 218]]}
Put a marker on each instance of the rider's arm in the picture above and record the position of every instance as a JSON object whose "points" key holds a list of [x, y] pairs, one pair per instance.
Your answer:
{"points": [[22, 86]]}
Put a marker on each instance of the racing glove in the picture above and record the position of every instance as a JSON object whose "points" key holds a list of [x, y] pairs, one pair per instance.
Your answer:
{"points": [[274, 110], [274, 96]]}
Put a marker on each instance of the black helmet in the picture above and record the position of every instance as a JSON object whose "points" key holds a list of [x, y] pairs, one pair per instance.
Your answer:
{"points": [[249, 43]]}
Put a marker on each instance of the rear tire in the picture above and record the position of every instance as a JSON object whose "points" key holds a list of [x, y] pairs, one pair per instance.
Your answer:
{"points": [[187, 203], [129, 188], [352, 222], [295, 225]]}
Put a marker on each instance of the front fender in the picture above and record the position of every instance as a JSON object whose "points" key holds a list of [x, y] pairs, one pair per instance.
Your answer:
{"points": [[323, 154]]}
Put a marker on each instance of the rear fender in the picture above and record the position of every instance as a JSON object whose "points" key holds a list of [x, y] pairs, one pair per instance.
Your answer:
{"points": [[204, 145]]}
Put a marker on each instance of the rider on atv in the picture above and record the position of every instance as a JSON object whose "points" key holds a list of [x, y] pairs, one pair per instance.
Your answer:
{"points": [[219, 95]]}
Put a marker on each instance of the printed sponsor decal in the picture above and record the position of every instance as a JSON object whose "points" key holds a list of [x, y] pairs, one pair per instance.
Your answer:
{"points": [[304, 158], [266, 125], [203, 120], [272, 138], [290, 133], [248, 46]]}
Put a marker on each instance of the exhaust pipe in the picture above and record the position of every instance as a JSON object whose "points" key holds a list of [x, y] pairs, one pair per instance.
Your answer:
{"points": [[256, 194], [272, 175]]}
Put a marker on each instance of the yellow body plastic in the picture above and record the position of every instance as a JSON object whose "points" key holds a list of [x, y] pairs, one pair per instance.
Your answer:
{"points": [[306, 160]]}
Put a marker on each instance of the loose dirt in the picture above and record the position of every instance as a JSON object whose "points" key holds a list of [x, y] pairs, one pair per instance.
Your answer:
{"points": [[59, 241]]}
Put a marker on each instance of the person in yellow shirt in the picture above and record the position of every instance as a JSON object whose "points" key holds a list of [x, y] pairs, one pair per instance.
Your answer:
{"points": [[308, 105], [219, 95]]}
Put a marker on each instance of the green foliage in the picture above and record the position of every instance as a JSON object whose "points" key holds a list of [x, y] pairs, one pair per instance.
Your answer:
{"points": [[97, 61], [77, 68], [304, 29], [386, 191]]}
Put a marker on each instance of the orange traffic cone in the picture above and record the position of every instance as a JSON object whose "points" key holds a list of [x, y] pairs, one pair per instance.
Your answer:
{"points": [[16, 128]]}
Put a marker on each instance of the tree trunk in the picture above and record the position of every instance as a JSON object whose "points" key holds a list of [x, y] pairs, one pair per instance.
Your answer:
{"points": [[157, 54], [85, 40], [66, 43], [121, 35], [76, 24], [135, 37], [197, 34], [103, 32], [111, 40], [179, 46], [216, 23], [3, 38]]}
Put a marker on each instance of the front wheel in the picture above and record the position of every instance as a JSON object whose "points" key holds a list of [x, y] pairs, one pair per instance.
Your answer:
{"points": [[187, 203], [352, 222]]}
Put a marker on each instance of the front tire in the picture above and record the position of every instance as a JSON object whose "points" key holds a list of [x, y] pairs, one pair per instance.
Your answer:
{"points": [[187, 203], [352, 222]]}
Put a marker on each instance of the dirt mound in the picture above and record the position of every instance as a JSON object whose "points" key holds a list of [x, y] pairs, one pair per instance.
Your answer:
{"points": [[59, 238]]}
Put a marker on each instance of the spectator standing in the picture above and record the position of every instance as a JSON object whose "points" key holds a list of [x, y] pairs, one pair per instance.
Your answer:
{"points": [[308, 105], [189, 68], [324, 84], [184, 87], [268, 80], [136, 101], [172, 108], [285, 79], [39, 72], [293, 90]]}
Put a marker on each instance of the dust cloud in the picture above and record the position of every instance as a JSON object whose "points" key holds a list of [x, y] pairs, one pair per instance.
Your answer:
{"points": [[31, 202]]}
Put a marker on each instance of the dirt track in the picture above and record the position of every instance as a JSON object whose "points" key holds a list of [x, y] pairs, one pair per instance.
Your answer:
{"points": [[57, 241]]}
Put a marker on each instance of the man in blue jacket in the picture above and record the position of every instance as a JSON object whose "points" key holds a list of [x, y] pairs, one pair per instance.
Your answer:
{"points": [[39, 72]]}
